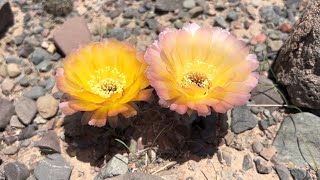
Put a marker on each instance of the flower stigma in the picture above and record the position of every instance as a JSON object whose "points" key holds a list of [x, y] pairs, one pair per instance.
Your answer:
{"points": [[107, 86]]}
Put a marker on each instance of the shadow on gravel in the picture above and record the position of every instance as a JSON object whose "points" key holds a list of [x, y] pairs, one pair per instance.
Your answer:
{"points": [[172, 136]]}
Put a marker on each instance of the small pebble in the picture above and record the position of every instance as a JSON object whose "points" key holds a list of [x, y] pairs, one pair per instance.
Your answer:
{"points": [[13, 70]]}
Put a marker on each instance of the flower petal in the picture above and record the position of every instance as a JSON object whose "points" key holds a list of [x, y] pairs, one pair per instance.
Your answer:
{"points": [[99, 117], [66, 109]]}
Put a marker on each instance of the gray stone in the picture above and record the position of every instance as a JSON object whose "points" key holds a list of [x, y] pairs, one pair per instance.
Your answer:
{"points": [[58, 7], [56, 56], [25, 143], [266, 93], [9, 140], [120, 33], [232, 16], [6, 112], [264, 124], [247, 162], [26, 109], [24, 81], [115, 13], [242, 119], [168, 5], [298, 174], [18, 40], [16, 171], [152, 23], [28, 132], [73, 33], [292, 4], [35, 92], [39, 120], [297, 140], [297, 66], [49, 143], [227, 157], [6, 16], [196, 11], [53, 167], [50, 83], [220, 21], [39, 55], [47, 106], [268, 15], [14, 122], [32, 40], [257, 147], [178, 24], [263, 167], [283, 172], [220, 7], [189, 4], [13, 60], [117, 165], [25, 50], [44, 66], [10, 150], [130, 13]]}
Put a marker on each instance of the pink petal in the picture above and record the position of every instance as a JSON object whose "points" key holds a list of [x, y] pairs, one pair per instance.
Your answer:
{"points": [[66, 109]]}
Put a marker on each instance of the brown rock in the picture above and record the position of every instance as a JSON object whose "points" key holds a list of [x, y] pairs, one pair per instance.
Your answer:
{"points": [[71, 34], [263, 167], [268, 153], [47, 106], [258, 39], [13, 70], [298, 63], [50, 142], [6, 15], [286, 27], [7, 86]]}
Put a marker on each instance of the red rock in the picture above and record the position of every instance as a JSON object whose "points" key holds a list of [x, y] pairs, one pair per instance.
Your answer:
{"points": [[237, 24], [258, 39], [71, 34], [286, 27]]}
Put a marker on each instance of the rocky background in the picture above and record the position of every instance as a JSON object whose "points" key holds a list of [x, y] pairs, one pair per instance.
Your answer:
{"points": [[256, 141]]}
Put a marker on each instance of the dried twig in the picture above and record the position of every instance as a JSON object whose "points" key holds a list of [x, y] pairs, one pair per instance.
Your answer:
{"points": [[165, 167], [204, 175], [267, 105]]}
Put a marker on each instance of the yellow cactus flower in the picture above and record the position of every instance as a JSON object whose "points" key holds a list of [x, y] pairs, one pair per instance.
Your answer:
{"points": [[200, 68], [103, 79]]}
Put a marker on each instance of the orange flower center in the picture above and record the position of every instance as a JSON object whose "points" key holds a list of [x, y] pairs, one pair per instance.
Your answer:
{"points": [[196, 78], [106, 82], [198, 73]]}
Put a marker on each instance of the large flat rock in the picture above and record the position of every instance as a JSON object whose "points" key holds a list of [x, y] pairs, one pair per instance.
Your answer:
{"points": [[71, 34], [298, 140]]}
